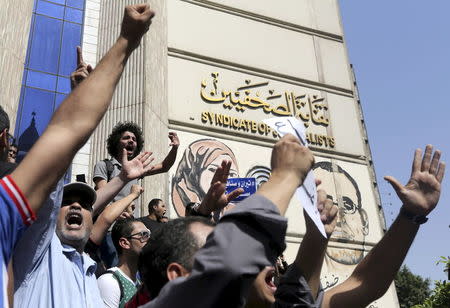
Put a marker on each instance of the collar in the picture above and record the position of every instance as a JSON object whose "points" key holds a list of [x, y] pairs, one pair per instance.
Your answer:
{"points": [[115, 162], [89, 266]]}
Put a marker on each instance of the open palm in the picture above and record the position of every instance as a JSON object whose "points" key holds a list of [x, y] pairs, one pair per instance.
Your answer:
{"points": [[138, 166], [421, 194]]}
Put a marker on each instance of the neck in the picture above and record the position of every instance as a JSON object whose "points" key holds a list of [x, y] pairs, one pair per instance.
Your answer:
{"points": [[128, 266], [152, 217]]}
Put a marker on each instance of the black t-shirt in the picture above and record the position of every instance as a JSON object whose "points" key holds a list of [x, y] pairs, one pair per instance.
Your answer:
{"points": [[151, 224], [6, 168]]}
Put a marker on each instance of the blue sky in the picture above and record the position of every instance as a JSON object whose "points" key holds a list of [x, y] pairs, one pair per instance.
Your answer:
{"points": [[401, 54]]}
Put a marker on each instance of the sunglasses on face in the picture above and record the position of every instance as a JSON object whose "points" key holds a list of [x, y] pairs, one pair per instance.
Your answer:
{"points": [[142, 236]]}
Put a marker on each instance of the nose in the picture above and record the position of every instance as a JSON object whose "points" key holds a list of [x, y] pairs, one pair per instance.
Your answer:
{"points": [[75, 206]]}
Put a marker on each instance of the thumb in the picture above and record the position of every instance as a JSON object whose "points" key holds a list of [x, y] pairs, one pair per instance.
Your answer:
{"points": [[394, 183], [234, 194], [124, 156]]}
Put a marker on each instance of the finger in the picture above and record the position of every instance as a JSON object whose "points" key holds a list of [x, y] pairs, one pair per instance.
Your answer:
{"points": [[440, 172], [148, 161], [218, 174], [234, 194], [318, 182], [226, 171], [138, 157], [124, 156], [435, 162], [416, 161], [89, 68], [426, 158], [321, 198], [394, 183], [332, 215], [217, 189], [79, 56]]}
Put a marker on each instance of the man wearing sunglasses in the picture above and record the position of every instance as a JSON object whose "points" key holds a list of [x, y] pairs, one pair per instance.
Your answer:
{"points": [[119, 284]]}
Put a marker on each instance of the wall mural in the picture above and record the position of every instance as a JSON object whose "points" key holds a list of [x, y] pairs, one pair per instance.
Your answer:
{"points": [[196, 169], [201, 159]]}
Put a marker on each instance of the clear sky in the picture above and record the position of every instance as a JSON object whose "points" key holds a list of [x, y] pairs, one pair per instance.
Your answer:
{"points": [[401, 54]]}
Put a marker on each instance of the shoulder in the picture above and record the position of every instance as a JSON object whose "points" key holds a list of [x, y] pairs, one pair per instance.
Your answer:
{"points": [[107, 280]]}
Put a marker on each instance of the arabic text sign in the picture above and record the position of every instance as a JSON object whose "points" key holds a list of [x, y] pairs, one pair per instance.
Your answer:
{"points": [[307, 193], [247, 184]]}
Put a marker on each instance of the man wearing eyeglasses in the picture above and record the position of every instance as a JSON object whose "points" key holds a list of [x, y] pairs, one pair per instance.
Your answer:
{"points": [[119, 284]]}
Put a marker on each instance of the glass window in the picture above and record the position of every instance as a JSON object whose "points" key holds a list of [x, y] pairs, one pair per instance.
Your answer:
{"points": [[50, 9], [59, 99], [79, 4], [74, 15], [38, 105], [68, 54], [41, 80], [63, 85], [58, 1], [44, 53]]}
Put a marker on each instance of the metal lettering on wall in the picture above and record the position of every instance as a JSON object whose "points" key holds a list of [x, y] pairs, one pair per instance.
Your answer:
{"points": [[309, 108]]}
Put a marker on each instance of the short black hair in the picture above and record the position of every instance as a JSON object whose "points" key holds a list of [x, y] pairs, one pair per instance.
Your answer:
{"points": [[152, 203], [116, 134], [4, 119], [174, 242], [122, 228]]}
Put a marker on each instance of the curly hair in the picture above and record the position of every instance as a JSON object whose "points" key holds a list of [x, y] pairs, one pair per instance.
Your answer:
{"points": [[116, 134]]}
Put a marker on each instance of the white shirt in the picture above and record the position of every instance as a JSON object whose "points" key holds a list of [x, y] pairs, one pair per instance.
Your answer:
{"points": [[110, 289]]}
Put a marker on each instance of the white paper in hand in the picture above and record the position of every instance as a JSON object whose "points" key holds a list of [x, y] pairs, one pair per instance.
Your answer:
{"points": [[307, 193]]}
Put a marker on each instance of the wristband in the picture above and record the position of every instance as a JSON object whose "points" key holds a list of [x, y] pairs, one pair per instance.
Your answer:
{"points": [[416, 219]]}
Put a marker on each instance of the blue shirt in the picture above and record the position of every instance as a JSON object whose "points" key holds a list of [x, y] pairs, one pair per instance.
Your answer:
{"points": [[48, 273], [15, 215]]}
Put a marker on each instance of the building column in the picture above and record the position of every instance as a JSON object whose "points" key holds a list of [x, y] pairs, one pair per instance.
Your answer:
{"points": [[15, 18]]}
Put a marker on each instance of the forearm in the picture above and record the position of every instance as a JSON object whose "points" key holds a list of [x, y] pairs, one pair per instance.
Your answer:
{"points": [[378, 268], [108, 216], [107, 193], [373, 275], [310, 257], [279, 189], [70, 127], [167, 163]]}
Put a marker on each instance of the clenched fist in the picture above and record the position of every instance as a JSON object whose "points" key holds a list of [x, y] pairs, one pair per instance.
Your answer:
{"points": [[289, 157], [136, 21]]}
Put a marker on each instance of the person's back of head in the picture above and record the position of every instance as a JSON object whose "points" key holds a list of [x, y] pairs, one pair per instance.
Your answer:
{"points": [[174, 243]]}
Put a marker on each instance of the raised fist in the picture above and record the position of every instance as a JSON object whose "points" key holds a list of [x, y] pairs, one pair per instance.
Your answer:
{"points": [[289, 157], [136, 21], [136, 190], [174, 140]]}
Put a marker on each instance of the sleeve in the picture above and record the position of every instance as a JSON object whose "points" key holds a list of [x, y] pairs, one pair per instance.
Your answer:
{"points": [[293, 292], [109, 290], [100, 171], [16, 215], [246, 240], [37, 238]]}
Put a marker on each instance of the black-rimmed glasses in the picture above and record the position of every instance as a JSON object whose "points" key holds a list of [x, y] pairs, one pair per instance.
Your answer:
{"points": [[142, 236]]}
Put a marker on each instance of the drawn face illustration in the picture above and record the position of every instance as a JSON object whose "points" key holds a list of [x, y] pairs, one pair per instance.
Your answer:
{"points": [[196, 170], [352, 225]]}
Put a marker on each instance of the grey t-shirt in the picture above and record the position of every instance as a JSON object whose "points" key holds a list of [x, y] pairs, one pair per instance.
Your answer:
{"points": [[100, 171]]}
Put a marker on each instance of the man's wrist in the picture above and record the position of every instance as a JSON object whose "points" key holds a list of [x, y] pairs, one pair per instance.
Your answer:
{"points": [[414, 218]]}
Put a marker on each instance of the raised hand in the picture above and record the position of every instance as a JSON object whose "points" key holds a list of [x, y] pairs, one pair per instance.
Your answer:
{"points": [[289, 157], [328, 212], [137, 167], [136, 22], [136, 190], [174, 141], [421, 194], [82, 72], [216, 198]]}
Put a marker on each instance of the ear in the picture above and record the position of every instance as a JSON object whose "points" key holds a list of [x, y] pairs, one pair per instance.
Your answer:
{"points": [[175, 270], [4, 138], [124, 243]]}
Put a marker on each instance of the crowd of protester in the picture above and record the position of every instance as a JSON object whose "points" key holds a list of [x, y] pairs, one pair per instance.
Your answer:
{"points": [[75, 246]]}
